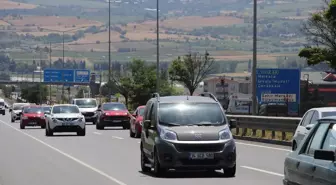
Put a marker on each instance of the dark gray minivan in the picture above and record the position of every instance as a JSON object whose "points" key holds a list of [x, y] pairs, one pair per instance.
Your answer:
{"points": [[187, 132]]}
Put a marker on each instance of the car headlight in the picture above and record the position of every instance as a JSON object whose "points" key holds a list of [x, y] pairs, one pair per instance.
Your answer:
{"points": [[168, 135], [225, 134]]}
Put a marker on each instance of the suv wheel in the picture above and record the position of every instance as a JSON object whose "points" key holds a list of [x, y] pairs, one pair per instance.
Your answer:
{"points": [[230, 172], [131, 133], [94, 121], [22, 126], [12, 120], [81, 132], [99, 127], [158, 170], [48, 131], [144, 161]]}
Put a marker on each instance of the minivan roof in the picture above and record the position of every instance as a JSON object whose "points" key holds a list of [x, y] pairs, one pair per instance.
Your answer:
{"points": [[193, 99]]}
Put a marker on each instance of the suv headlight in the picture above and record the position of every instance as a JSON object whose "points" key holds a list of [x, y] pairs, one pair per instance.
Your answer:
{"points": [[80, 119], [168, 135], [225, 134], [54, 120]]}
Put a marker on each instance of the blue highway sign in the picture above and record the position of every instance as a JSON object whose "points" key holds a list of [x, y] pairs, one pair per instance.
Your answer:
{"points": [[82, 75], [279, 86], [66, 75]]}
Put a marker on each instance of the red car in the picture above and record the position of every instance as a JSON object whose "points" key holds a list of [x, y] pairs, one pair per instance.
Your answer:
{"points": [[136, 122], [32, 115], [113, 114]]}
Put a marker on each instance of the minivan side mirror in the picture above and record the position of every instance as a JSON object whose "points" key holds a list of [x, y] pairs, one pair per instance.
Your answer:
{"points": [[233, 123], [324, 155], [146, 124], [310, 126]]}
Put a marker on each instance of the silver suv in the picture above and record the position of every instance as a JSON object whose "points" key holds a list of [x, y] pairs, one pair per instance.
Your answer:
{"points": [[187, 132]]}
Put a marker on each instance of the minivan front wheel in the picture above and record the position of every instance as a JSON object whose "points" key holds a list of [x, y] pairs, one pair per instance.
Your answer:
{"points": [[230, 172], [158, 170], [144, 161]]}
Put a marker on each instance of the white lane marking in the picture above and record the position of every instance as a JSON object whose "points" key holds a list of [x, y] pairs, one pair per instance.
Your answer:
{"points": [[261, 146], [98, 133], [68, 156], [263, 171], [116, 137]]}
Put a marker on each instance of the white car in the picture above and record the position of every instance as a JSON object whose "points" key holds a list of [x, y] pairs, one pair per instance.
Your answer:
{"points": [[65, 118], [88, 107], [16, 111], [308, 121]]}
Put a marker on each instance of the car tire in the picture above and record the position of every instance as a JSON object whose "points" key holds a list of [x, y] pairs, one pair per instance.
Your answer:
{"points": [[144, 161], [12, 120], [81, 132], [294, 146], [131, 133], [22, 126], [94, 122], [99, 127], [43, 126], [230, 172], [158, 170], [49, 132]]}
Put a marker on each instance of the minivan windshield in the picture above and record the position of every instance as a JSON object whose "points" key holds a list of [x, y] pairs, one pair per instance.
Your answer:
{"points": [[86, 103], [113, 106], [182, 114], [65, 109]]}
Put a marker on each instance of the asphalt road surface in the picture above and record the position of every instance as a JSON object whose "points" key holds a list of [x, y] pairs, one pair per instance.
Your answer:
{"points": [[111, 157]]}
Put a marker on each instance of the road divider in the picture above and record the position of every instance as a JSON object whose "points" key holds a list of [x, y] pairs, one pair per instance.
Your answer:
{"points": [[276, 130]]}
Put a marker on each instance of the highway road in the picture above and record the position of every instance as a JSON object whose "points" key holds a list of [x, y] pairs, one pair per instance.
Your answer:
{"points": [[111, 157]]}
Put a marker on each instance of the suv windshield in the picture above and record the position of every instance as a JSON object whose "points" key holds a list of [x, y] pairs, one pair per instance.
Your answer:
{"points": [[191, 114], [28, 110], [18, 106], [65, 109], [88, 103], [114, 106], [326, 114], [46, 109]]}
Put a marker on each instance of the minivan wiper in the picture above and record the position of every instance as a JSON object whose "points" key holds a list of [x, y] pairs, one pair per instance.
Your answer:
{"points": [[206, 123], [169, 124]]}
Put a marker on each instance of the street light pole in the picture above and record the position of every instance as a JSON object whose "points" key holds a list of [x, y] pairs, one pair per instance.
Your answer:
{"points": [[50, 68], [254, 65], [109, 51], [157, 48], [63, 68]]}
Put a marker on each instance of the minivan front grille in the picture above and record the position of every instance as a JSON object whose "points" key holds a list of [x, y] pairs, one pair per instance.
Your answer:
{"points": [[199, 147]]}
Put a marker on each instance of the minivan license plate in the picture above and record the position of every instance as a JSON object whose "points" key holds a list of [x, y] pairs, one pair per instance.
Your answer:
{"points": [[202, 155]]}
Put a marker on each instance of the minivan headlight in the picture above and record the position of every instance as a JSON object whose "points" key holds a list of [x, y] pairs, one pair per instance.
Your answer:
{"points": [[225, 134], [168, 135]]}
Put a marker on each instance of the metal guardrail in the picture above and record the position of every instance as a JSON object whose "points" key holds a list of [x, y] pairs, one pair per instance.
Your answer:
{"points": [[284, 125]]}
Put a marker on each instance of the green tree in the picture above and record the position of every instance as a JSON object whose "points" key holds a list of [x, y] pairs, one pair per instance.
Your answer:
{"points": [[35, 93], [190, 70], [320, 31]]}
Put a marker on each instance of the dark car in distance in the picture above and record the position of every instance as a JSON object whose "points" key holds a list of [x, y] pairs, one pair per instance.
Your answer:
{"points": [[112, 114], [188, 133]]}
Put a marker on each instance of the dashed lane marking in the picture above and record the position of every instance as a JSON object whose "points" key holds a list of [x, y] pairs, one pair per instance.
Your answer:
{"points": [[263, 171]]}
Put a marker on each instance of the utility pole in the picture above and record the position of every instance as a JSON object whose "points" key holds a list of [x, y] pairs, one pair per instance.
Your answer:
{"points": [[50, 68], [40, 85], [157, 48], [109, 51], [63, 72], [254, 65]]}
